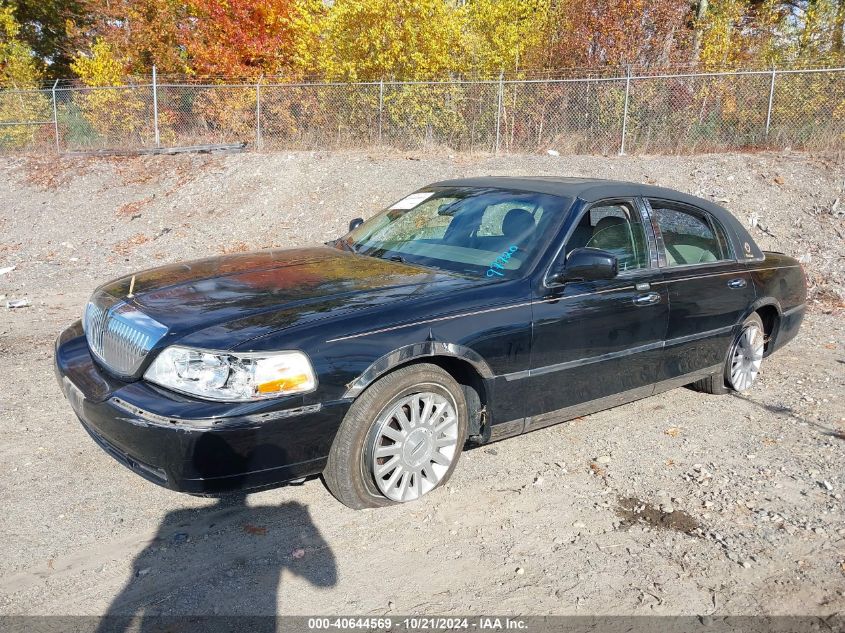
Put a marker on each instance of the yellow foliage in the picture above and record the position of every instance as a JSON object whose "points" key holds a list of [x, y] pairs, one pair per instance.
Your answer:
{"points": [[111, 111], [817, 40], [101, 67], [306, 22], [721, 35], [498, 33], [18, 67], [19, 71], [370, 40]]}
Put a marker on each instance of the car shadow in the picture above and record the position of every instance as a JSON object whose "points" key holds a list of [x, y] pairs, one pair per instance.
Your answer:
{"points": [[789, 412], [220, 567]]}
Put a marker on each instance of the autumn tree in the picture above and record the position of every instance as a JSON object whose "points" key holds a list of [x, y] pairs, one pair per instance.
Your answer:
{"points": [[369, 40], [499, 33], [19, 70], [141, 33], [44, 29], [18, 65], [252, 37], [109, 110], [615, 33]]}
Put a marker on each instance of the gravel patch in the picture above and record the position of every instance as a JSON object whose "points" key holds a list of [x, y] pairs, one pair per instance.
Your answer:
{"points": [[683, 503]]}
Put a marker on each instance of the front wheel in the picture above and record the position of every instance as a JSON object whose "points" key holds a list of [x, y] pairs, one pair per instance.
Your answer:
{"points": [[400, 440]]}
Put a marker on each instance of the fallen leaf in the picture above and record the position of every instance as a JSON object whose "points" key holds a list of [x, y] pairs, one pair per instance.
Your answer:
{"points": [[830, 345], [255, 530], [778, 179], [673, 431], [598, 470]]}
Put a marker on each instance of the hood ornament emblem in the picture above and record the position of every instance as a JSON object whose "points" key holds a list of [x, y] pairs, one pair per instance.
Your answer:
{"points": [[131, 288]]}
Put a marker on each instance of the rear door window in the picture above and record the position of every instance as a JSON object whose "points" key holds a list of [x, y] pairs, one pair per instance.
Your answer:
{"points": [[690, 236]]}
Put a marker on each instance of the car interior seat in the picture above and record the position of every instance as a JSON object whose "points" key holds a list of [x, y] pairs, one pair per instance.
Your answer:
{"points": [[681, 254], [517, 225], [611, 234]]}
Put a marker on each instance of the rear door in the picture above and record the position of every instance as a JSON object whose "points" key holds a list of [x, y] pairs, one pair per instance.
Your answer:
{"points": [[599, 343], [709, 289]]}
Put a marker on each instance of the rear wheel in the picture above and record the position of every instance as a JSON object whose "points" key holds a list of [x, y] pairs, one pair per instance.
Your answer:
{"points": [[400, 440], [743, 361]]}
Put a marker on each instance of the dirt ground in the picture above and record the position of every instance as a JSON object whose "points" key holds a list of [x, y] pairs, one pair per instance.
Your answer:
{"points": [[683, 503]]}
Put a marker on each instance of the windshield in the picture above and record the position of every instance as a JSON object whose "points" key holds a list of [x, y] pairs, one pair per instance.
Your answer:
{"points": [[480, 231]]}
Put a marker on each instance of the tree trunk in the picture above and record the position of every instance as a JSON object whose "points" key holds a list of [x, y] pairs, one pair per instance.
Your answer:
{"points": [[700, 14]]}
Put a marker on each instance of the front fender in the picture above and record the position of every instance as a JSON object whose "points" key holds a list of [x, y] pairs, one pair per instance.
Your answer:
{"points": [[416, 351]]}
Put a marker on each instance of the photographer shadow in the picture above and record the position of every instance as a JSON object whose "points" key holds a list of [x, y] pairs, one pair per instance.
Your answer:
{"points": [[219, 568]]}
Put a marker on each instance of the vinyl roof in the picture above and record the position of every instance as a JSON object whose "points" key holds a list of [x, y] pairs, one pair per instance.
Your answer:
{"points": [[588, 189]]}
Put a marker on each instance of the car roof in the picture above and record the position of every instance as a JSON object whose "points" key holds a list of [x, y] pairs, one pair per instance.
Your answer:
{"points": [[589, 189], [593, 189]]}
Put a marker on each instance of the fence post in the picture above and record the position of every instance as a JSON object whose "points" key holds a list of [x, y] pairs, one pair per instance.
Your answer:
{"points": [[499, 108], [155, 107], [625, 111], [56, 117], [380, 107], [771, 100], [258, 113]]}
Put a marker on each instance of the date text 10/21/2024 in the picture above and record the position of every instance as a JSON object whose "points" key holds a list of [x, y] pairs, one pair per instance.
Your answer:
{"points": [[414, 623]]}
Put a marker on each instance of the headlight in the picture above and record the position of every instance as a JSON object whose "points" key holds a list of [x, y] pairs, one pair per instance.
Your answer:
{"points": [[231, 376]]}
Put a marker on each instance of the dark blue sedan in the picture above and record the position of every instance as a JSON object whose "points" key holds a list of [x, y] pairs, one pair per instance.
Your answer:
{"points": [[468, 311]]}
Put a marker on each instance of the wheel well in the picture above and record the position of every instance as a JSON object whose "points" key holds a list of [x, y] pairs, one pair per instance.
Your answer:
{"points": [[771, 319], [474, 389]]}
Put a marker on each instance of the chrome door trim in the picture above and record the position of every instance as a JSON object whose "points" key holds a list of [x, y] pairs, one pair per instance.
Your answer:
{"points": [[524, 425], [580, 362]]}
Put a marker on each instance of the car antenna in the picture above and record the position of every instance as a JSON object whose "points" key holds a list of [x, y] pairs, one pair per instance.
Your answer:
{"points": [[131, 288]]}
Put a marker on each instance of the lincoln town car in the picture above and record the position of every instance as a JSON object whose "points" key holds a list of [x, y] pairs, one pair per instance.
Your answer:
{"points": [[468, 311]]}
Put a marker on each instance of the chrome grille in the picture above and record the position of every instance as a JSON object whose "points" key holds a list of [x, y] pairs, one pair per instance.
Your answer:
{"points": [[119, 335]]}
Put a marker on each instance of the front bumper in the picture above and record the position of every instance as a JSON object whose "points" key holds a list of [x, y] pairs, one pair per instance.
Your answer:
{"points": [[191, 445]]}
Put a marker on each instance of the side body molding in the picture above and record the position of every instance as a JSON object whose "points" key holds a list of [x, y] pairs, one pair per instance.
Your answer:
{"points": [[415, 351]]}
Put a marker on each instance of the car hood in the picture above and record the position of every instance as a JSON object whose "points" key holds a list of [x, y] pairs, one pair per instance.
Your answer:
{"points": [[238, 297]]}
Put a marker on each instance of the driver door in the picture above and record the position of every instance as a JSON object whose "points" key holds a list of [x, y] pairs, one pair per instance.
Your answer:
{"points": [[599, 343]]}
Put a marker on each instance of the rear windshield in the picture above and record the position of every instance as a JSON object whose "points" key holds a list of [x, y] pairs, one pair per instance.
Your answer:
{"points": [[481, 231]]}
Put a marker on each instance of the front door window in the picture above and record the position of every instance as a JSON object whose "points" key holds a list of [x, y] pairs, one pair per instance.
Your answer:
{"points": [[614, 228]]}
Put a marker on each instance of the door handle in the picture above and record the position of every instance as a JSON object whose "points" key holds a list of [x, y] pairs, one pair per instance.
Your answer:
{"points": [[647, 299], [737, 283]]}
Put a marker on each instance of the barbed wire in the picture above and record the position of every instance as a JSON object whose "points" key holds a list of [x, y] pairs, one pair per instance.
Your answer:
{"points": [[528, 72]]}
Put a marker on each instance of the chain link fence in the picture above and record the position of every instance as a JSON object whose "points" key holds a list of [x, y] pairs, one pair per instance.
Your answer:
{"points": [[683, 113]]}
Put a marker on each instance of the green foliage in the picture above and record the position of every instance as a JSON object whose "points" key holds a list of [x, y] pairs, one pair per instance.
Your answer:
{"points": [[44, 29]]}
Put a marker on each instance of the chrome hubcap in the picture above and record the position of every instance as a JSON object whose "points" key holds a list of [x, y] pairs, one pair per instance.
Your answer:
{"points": [[413, 445], [747, 357]]}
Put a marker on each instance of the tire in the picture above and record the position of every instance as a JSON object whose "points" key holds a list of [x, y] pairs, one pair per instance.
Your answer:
{"points": [[424, 450], [724, 382]]}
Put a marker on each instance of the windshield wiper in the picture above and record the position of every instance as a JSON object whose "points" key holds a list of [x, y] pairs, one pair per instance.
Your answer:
{"points": [[345, 244]]}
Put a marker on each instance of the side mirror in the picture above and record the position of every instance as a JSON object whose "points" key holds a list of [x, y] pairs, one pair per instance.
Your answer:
{"points": [[586, 264], [354, 224]]}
